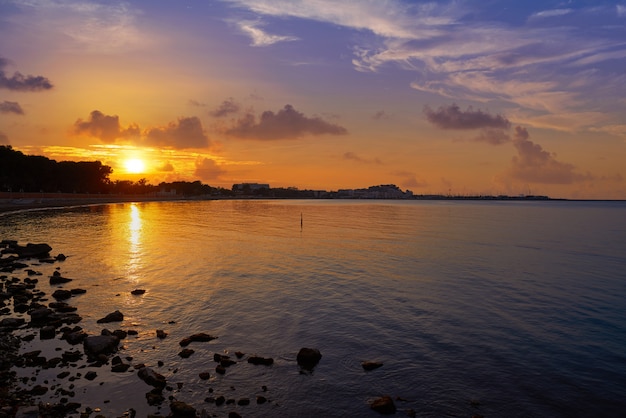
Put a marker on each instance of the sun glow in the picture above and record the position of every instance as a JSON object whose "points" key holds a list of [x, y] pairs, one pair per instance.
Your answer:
{"points": [[134, 166]]}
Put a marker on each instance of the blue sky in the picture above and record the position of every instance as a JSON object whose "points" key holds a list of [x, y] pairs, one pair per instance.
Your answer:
{"points": [[325, 94]]}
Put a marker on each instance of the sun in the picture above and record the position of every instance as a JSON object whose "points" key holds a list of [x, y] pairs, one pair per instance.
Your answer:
{"points": [[134, 166]]}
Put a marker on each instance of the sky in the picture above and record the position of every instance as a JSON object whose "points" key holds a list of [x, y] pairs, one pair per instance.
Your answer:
{"points": [[462, 97]]}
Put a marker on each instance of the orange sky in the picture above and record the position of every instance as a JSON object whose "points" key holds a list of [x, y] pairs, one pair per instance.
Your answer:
{"points": [[436, 98]]}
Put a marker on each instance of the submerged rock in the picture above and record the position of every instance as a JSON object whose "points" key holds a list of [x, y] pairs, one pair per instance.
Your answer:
{"points": [[100, 344], [199, 337], [371, 365], [383, 405], [308, 358], [257, 360]]}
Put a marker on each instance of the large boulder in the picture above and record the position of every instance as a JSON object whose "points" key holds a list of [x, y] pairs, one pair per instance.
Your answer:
{"points": [[100, 344], [31, 250], [308, 358], [181, 409], [116, 316]]}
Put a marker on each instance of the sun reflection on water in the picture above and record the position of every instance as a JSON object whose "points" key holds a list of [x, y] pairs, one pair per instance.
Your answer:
{"points": [[135, 243]]}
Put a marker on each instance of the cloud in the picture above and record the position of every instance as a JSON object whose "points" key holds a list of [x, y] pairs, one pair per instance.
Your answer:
{"points": [[11, 107], [551, 13], [4, 139], [287, 123], [354, 157], [20, 82], [452, 117], [227, 107], [260, 37], [104, 127], [535, 165], [207, 169], [381, 114], [621, 10], [195, 103], [185, 133], [493, 136], [166, 167]]}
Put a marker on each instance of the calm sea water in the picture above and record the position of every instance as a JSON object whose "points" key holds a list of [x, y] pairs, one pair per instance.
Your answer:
{"points": [[500, 309]]}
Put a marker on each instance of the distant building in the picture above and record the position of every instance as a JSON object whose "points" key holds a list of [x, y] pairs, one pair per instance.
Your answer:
{"points": [[166, 192]]}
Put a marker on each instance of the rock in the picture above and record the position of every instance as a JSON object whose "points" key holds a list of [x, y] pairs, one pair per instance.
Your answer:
{"points": [[220, 400], [120, 367], [60, 257], [243, 401], [62, 294], [12, 322], [200, 337], [181, 409], [261, 399], [100, 344], [155, 397], [161, 334], [370, 365], [116, 316], [186, 353], [239, 354], [138, 292], [78, 291], [151, 377], [383, 405], [308, 358], [220, 369], [205, 375], [40, 314], [233, 414], [47, 333], [91, 375], [256, 360], [31, 250], [27, 412], [57, 279]]}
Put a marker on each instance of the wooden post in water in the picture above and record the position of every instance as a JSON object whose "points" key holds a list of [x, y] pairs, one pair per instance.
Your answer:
{"points": [[300, 221]]}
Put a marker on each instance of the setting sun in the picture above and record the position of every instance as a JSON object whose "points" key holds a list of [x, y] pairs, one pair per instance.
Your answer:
{"points": [[134, 166]]}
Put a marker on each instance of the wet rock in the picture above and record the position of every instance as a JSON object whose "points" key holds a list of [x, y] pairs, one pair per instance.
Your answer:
{"points": [[308, 358], [261, 400], [239, 354], [121, 334], [100, 344], [227, 362], [138, 292], [91, 375], [47, 333], [220, 400], [200, 337], [256, 360], [38, 390], [243, 401], [72, 356], [181, 409], [219, 369], [186, 353], [27, 412], [155, 397], [370, 365], [31, 250], [151, 377], [205, 375], [78, 291], [383, 405], [60, 257], [58, 279], [161, 334], [120, 367], [12, 323], [62, 294], [116, 316], [40, 314]]}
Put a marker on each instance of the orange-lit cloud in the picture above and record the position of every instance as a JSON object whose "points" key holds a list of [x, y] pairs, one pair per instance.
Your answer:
{"points": [[104, 127], [208, 169], [185, 133], [287, 123]]}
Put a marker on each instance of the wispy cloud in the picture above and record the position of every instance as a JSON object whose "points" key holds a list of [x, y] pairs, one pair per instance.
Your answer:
{"points": [[260, 37], [227, 107], [535, 65], [105, 27], [352, 156]]}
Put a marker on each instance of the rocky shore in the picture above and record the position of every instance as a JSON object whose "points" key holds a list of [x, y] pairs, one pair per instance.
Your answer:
{"points": [[29, 313]]}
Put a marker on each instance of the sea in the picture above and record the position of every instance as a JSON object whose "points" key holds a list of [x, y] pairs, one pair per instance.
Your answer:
{"points": [[473, 308]]}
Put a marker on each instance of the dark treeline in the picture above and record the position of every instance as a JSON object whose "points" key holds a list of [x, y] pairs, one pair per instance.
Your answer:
{"points": [[33, 173]]}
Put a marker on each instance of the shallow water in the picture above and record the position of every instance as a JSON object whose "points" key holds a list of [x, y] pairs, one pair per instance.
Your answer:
{"points": [[513, 309]]}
